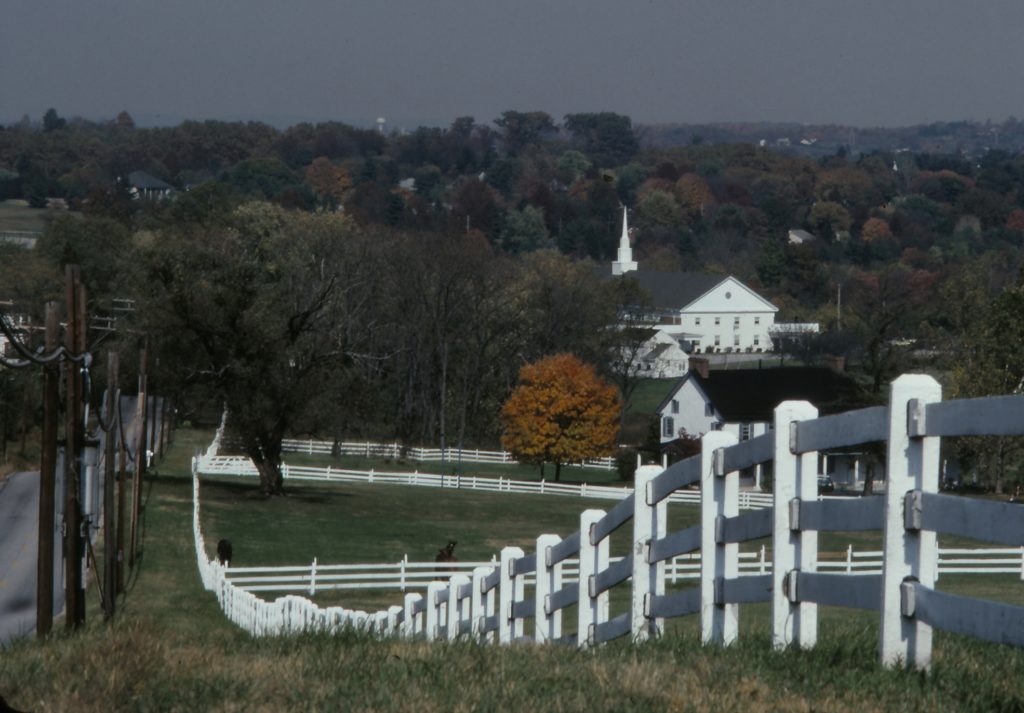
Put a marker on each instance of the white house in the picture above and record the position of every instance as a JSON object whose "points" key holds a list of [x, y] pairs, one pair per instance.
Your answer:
{"points": [[142, 185], [743, 401], [662, 357], [702, 312]]}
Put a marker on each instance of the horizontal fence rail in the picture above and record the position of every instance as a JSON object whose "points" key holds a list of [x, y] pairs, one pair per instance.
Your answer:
{"points": [[421, 455], [560, 592]]}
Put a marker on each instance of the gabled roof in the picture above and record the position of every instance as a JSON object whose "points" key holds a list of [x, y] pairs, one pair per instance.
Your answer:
{"points": [[751, 395], [670, 290], [146, 182], [657, 351], [677, 290]]}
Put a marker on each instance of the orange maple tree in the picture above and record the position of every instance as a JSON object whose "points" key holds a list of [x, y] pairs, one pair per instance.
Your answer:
{"points": [[560, 412]]}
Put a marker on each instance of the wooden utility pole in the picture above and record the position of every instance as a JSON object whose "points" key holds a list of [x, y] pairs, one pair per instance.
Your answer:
{"points": [[74, 594], [140, 456], [109, 545], [48, 477], [122, 477]]}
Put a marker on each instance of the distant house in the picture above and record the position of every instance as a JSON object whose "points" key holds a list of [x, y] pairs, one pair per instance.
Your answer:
{"points": [[743, 401], [661, 357], [142, 185], [800, 237]]}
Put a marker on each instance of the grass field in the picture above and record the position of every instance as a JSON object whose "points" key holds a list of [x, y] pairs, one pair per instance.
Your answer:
{"points": [[17, 215], [170, 649]]}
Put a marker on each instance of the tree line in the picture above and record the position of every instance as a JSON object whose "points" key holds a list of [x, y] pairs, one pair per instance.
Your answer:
{"points": [[411, 275]]}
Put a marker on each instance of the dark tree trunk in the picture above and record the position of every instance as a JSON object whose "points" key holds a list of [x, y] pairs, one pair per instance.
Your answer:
{"points": [[558, 472], [869, 479]]}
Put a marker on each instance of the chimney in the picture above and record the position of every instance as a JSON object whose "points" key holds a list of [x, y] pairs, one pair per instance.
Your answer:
{"points": [[701, 366], [836, 363]]}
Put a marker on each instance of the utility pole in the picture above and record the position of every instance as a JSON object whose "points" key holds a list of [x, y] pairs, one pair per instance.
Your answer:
{"points": [[48, 478], [122, 477], [140, 456], [109, 546], [839, 308], [74, 594]]}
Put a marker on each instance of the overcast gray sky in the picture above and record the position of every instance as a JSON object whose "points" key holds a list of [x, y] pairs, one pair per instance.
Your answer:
{"points": [[859, 62]]}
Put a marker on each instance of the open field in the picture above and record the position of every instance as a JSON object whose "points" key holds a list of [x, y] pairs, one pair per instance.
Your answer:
{"points": [[17, 215], [170, 648]]}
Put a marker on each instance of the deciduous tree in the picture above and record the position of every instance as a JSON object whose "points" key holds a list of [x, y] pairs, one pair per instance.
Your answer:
{"points": [[560, 412]]}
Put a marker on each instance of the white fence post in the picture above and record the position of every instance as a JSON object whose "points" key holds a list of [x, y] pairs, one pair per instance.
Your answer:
{"points": [[458, 608], [409, 628], [312, 578], [432, 615], [393, 625], [649, 523], [481, 605], [592, 608], [912, 464], [849, 559], [719, 623], [401, 571], [510, 590], [796, 481], [547, 626]]}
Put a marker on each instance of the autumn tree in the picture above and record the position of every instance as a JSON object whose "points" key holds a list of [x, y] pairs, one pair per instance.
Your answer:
{"points": [[560, 412], [328, 181], [875, 229]]}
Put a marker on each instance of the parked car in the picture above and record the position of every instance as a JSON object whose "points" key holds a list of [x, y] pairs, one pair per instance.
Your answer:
{"points": [[826, 484]]}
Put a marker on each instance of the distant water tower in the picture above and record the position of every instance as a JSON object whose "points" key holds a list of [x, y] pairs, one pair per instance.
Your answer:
{"points": [[381, 121]]}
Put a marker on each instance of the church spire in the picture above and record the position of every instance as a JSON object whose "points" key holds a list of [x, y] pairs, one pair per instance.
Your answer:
{"points": [[624, 258]]}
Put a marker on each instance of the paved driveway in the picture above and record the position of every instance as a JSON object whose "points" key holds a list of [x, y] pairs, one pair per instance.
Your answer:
{"points": [[19, 515]]}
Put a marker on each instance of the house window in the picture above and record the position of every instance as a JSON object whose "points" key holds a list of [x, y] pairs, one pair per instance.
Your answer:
{"points": [[668, 427], [718, 321], [757, 340], [736, 322], [735, 340], [675, 406], [696, 321], [718, 340], [745, 431], [757, 320]]}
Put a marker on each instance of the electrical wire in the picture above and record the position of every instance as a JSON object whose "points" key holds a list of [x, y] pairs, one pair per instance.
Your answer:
{"points": [[40, 358]]}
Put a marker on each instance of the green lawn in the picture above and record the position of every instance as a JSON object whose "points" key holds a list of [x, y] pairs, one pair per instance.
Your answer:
{"points": [[17, 215], [170, 649]]}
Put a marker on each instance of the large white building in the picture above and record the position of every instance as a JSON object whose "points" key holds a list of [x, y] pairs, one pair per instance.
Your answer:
{"points": [[704, 313]]}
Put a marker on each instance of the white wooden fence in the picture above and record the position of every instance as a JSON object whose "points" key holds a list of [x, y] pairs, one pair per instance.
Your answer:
{"points": [[421, 455], [242, 466], [406, 575], [493, 604]]}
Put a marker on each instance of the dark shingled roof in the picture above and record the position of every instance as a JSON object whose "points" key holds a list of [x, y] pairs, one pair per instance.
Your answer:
{"points": [[671, 290], [657, 351], [146, 182], [751, 395]]}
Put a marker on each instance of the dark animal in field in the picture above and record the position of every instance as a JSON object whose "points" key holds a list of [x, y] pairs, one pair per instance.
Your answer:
{"points": [[6, 708], [224, 552], [446, 554]]}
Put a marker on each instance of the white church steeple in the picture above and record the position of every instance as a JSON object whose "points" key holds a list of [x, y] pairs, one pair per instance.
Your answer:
{"points": [[624, 262]]}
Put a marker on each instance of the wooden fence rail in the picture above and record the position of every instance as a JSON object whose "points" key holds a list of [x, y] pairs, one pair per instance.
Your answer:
{"points": [[496, 601]]}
